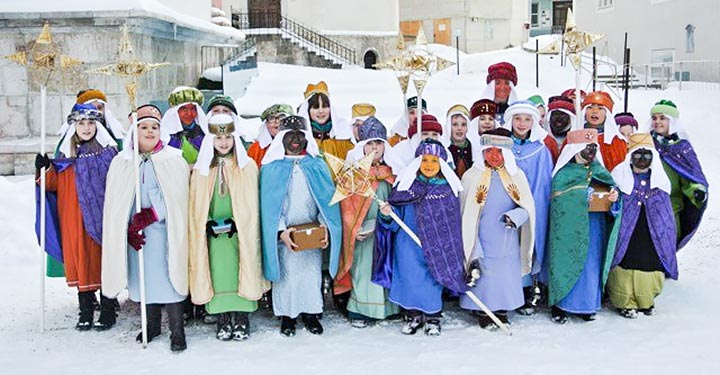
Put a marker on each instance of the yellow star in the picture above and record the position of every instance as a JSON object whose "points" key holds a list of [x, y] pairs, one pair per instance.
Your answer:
{"points": [[352, 178]]}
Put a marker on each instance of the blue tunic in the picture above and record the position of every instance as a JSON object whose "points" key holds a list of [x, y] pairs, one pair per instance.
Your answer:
{"points": [[158, 287], [535, 160], [586, 295], [498, 250], [413, 285]]}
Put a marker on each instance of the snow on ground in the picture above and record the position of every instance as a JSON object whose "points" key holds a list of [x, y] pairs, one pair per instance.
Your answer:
{"points": [[681, 339]]}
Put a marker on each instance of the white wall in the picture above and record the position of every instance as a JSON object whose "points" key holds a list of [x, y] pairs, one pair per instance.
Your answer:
{"points": [[345, 15], [654, 24], [195, 8]]}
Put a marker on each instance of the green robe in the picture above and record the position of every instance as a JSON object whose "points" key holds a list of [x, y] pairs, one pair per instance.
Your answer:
{"points": [[367, 298], [224, 262], [568, 237], [189, 152]]}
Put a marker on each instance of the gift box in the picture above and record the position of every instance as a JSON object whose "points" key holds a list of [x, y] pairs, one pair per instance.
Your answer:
{"points": [[308, 236], [599, 200]]}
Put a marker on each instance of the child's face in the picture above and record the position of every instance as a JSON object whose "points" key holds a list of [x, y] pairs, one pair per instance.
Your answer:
{"points": [[376, 146], [430, 166]]}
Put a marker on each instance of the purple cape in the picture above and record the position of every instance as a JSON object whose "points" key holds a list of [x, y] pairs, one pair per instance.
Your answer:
{"points": [[53, 242], [194, 135], [439, 223], [661, 222], [681, 157]]}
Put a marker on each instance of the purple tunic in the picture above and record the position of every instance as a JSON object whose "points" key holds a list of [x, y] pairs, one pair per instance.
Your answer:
{"points": [[660, 219]]}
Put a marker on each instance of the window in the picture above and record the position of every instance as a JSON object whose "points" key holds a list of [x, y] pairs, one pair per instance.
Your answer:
{"points": [[489, 28], [534, 7], [690, 38], [605, 4], [661, 63]]}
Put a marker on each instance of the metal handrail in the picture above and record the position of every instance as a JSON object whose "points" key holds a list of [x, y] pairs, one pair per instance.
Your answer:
{"points": [[310, 37]]}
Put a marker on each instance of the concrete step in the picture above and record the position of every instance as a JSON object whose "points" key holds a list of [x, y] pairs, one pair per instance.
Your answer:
{"points": [[17, 156]]}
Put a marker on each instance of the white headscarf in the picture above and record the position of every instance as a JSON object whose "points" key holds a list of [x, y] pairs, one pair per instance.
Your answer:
{"points": [[472, 134], [390, 156], [610, 128], [171, 124], [128, 145], [625, 179], [675, 126], [508, 157], [276, 150], [401, 126], [537, 133], [407, 177], [115, 126], [341, 128], [101, 136], [207, 148], [568, 153]]}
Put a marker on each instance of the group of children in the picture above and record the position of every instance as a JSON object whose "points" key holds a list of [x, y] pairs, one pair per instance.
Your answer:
{"points": [[511, 201]]}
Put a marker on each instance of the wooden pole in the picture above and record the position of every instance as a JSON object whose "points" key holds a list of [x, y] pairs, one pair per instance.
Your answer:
{"points": [[627, 78], [594, 75], [625, 65], [138, 207], [537, 63]]}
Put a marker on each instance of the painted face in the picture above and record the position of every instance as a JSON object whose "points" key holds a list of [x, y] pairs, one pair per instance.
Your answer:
{"points": [[85, 129], [543, 111], [641, 159], [521, 125], [486, 123], [458, 128], [494, 157], [100, 106], [294, 142], [559, 123], [224, 144], [502, 90], [321, 114], [627, 130], [378, 147], [221, 110], [356, 127], [430, 166], [430, 134], [148, 135], [595, 115], [273, 124], [661, 124], [587, 155], [187, 113]]}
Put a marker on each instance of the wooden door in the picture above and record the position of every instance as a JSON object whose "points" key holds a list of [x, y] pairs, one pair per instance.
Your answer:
{"points": [[264, 13], [442, 33], [409, 29], [560, 11]]}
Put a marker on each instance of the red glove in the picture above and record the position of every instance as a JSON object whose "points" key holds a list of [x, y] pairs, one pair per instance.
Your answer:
{"points": [[142, 220], [136, 240]]}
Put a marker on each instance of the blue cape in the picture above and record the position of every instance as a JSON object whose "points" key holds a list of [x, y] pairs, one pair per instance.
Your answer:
{"points": [[274, 182]]}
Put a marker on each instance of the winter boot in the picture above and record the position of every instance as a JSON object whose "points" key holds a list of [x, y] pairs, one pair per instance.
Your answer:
{"points": [[628, 313], [287, 326], [200, 313], [210, 318], [312, 324], [96, 304], [528, 308], [341, 301], [108, 316], [224, 327], [327, 283], [175, 323], [87, 311], [587, 317], [266, 301], [432, 327], [241, 326], [649, 311], [413, 324], [153, 322], [558, 315]]}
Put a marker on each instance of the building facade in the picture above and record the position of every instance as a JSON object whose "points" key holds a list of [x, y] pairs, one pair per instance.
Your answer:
{"points": [[548, 16]]}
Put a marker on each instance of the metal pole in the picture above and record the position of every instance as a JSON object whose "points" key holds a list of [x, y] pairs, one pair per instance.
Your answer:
{"points": [[43, 262], [625, 64], [594, 75], [222, 79], [537, 63], [457, 53], [627, 78]]}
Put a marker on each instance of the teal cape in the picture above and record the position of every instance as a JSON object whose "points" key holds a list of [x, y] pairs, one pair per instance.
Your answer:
{"points": [[569, 236], [274, 183]]}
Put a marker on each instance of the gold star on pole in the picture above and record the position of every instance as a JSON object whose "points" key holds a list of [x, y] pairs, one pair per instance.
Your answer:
{"points": [[351, 178], [128, 67], [576, 41]]}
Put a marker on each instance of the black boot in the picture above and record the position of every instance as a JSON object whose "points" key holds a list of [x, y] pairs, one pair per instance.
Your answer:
{"points": [[558, 315], [224, 327], [266, 301], [85, 321], [312, 324], [241, 326], [341, 301], [153, 322], [415, 321], [287, 326], [530, 302], [176, 325], [108, 316]]}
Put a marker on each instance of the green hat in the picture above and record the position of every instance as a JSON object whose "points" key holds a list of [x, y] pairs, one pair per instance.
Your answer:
{"points": [[185, 94], [537, 100], [665, 107], [221, 100], [276, 109]]}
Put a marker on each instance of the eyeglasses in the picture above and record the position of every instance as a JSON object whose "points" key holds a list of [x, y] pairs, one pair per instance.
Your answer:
{"points": [[639, 157], [276, 119]]}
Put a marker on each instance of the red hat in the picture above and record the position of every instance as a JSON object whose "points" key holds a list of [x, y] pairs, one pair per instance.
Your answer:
{"points": [[502, 70], [569, 93], [561, 102], [599, 97], [483, 107], [428, 124]]}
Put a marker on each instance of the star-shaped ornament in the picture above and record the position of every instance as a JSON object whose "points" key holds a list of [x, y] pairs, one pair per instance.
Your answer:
{"points": [[351, 178]]}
